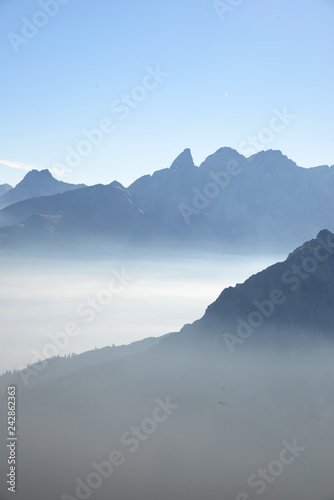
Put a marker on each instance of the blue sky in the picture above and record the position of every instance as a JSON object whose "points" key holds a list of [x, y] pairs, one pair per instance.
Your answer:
{"points": [[228, 76]]}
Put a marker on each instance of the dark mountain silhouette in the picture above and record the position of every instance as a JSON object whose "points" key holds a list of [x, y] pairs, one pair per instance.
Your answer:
{"points": [[35, 183], [264, 202], [288, 305], [265, 198], [59, 367], [87, 214]]}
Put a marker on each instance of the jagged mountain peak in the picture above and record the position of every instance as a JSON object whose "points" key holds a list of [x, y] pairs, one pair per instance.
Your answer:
{"points": [[324, 234], [183, 165], [37, 177], [225, 150], [222, 156], [38, 173], [184, 160], [288, 300], [36, 183], [312, 248], [273, 157]]}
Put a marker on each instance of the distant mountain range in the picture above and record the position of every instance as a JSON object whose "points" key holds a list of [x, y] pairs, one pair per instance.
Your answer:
{"points": [[263, 202], [4, 188], [36, 183]]}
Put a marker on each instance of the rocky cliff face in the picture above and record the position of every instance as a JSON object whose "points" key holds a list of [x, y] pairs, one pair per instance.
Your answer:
{"points": [[288, 304]]}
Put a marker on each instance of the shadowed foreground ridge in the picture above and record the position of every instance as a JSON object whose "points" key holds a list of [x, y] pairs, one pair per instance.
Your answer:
{"points": [[289, 302]]}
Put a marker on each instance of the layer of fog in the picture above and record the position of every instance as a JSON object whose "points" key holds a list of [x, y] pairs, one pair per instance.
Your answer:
{"points": [[230, 419], [40, 297]]}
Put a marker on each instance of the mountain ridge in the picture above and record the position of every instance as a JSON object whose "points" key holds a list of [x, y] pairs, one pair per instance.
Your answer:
{"points": [[295, 295], [4, 188], [265, 201], [34, 184], [288, 304]]}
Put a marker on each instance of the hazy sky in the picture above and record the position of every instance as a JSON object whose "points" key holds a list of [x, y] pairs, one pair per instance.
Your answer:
{"points": [[227, 74]]}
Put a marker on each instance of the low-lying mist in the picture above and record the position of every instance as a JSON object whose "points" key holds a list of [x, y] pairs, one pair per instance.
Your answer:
{"points": [[178, 425], [183, 417], [114, 301]]}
